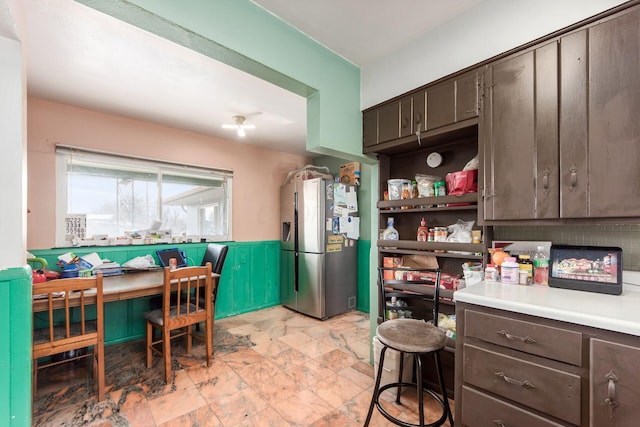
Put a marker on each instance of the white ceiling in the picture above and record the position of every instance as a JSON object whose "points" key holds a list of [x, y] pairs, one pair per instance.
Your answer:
{"points": [[78, 56]]}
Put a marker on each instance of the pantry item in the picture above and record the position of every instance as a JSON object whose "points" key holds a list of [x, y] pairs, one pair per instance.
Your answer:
{"points": [[540, 267], [423, 231], [525, 264], [490, 273], [390, 233], [509, 271], [395, 187]]}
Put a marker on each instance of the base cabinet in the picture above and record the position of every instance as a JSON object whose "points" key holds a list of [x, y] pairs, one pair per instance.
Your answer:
{"points": [[615, 384], [518, 370]]}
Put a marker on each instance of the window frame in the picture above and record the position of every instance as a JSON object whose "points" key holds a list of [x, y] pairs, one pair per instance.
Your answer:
{"points": [[64, 154]]}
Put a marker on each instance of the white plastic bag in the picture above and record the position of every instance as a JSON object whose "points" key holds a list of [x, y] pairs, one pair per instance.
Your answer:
{"points": [[140, 262]]}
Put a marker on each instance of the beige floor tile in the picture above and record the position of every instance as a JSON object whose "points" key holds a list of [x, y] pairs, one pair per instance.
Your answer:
{"points": [[336, 390], [279, 387], [290, 358], [317, 348], [309, 373], [280, 369], [336, 360], [303, 409], [295, 339], [267, 418], [271, 348], [234, 409], [172, 405], [335, 419], [200, 417]]}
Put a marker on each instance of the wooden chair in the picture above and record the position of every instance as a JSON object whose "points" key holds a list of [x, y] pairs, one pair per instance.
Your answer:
{"points": [[176, 320], [75, 331]]}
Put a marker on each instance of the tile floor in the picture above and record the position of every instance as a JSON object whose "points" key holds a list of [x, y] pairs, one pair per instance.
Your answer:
{"points": [[272, 367]]}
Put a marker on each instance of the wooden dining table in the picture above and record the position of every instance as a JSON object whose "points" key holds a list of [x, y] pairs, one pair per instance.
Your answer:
{"points": [[118, 288]]}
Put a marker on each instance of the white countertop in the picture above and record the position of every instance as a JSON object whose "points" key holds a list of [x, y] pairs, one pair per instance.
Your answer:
{"points": [[620, 313]]}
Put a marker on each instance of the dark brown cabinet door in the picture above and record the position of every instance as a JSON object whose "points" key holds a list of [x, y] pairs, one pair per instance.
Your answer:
{"points": [[369, 128], [419, 102], [441, 104], [600, 129], [389, 122], [614, 386], [467, 96], [519, 141], [406, 117]]}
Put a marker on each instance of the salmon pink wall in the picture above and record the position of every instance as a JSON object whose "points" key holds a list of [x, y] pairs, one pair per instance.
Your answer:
{"points": [[258, 172]]}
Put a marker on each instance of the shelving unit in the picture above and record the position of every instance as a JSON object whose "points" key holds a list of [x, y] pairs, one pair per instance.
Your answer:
{"points": [[457, 152]]}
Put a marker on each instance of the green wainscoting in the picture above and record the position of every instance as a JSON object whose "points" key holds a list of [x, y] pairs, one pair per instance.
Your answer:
{"points": [[364, 248], [15, 347], [250, 281]]}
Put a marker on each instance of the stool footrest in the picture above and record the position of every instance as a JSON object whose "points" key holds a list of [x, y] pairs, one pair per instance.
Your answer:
{"points": [[394, 420]]}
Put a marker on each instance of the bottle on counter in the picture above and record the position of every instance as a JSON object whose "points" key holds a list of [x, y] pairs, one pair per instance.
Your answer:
{"points": [[540, 267], [490, 273], [390, 233], [509, 271], [525, 264], [423, 231]]}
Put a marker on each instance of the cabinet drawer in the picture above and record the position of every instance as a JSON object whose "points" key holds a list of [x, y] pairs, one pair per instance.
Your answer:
{"points": [[481, 410], [546, 341], [545, 389]]}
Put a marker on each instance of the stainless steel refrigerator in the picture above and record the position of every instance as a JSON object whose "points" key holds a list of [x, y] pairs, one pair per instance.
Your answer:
{"points": [[320, 228]]}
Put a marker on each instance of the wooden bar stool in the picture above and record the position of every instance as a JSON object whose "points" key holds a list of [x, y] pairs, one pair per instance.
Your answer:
{"points": [[410, 336]]}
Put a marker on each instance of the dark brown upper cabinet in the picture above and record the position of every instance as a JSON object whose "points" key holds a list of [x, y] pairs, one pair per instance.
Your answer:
{"points": [[389, 122], [599, 119], [369, 128], [560, 135], [452, 100], [519, 140]]}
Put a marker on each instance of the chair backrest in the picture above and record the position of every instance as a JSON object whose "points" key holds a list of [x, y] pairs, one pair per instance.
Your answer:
{"points": [[75, 330], [418, 288], [193, 291], [215, 254]]}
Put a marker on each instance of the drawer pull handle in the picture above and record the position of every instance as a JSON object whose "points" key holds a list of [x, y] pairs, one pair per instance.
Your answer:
{"points": [[611, 392], [526, 340], [499, 423], [525, 384]]}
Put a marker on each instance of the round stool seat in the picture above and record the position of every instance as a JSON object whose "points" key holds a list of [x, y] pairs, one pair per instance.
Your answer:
{"points": [[411, 336]]}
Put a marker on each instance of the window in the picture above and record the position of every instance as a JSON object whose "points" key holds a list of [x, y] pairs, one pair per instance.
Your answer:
{"points": [[121, 196]]}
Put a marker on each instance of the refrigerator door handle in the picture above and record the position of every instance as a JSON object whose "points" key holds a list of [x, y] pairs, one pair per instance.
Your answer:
{"points": [[295, 242]]}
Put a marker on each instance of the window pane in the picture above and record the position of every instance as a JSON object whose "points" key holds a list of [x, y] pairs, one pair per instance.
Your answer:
{"points": [[124, 195]]}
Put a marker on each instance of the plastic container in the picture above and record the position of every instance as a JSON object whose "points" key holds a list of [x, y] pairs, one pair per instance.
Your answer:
{"points": [[490, 273], [509, 271], [425, 184], [395, 187], [392, 364]]}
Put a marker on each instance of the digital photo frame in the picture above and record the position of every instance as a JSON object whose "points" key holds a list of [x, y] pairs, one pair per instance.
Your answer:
{"points": [[586, 268]]}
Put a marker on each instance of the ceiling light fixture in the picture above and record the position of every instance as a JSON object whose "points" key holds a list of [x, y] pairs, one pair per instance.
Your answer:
{"points": [[239, 126]]}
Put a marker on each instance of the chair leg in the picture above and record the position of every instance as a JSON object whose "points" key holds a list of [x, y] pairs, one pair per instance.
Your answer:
{"points": [[400, 370], [443, 389], [376, 386], [208, 339], [166, 353], [149, 341], [419, 390], [34, 377], [99, 363], [189, 339]]}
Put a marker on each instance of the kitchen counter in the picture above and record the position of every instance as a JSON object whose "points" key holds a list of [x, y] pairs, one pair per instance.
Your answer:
{"points": [[618, 313]]}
